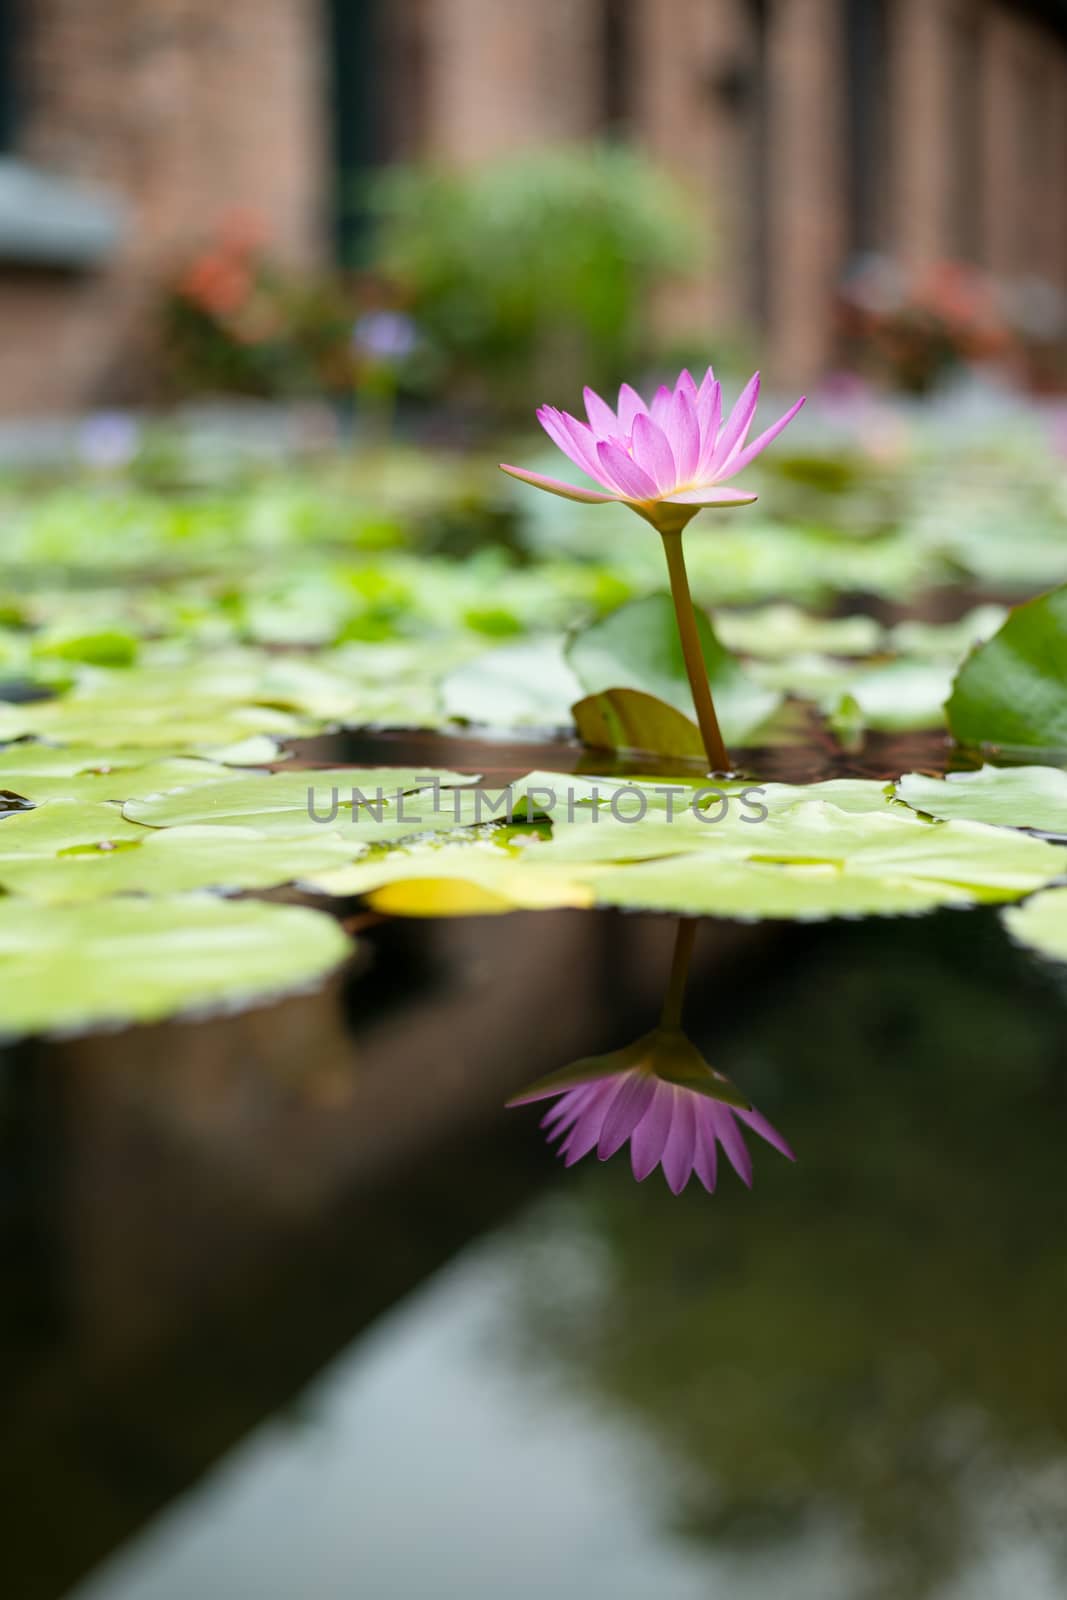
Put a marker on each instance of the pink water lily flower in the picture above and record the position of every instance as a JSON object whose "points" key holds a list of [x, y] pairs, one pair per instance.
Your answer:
{"points": [[665, 460], [674, 1109]]}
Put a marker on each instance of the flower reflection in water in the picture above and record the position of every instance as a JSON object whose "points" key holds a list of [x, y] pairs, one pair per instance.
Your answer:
{"points": [[661, 1095]]}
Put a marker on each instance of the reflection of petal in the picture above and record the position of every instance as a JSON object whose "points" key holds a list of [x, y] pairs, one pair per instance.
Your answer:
{"points": [[650, 1135], [729, 1136], [626, 1110], [569, 491], [766, 1130], [680, 1149], [705, 1154], [586, 1130]]}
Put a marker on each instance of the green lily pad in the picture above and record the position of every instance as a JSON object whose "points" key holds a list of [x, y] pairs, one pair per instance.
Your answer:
{"points": [[1011, 692], [283, 802], [63, 824], [115, 721], [638, 647], [75, 968], [1041, 923], [50, 772], [807, 859], [172, 861], [1013, 797]]}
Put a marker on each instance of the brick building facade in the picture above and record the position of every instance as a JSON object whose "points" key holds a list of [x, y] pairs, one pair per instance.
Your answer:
{"points": [[809, 132]]}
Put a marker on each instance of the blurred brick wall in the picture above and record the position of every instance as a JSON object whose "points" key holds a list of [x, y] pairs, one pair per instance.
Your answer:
{"points": [[188, 110]]}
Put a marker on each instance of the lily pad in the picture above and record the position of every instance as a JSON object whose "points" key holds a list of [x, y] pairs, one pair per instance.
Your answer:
{"points": [[172, 861], [1013, 797], [48, 772], [1012, 692], [806, 859], [126, 961], [306, 800], [1041, 923]]}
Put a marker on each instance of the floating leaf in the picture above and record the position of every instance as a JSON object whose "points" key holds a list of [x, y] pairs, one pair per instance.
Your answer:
{"points": [[1014, 797], [807, 859], [1041, 923], [1013, 690], [144, 960], [47, 772], [172, 861], [305, 800], [63, 824]]}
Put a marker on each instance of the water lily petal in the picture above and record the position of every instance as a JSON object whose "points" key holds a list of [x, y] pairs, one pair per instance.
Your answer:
{"points": [[569, 491], [654, 455], [683, 433], [602, 419], [709, 419], [572, 437], [630, 406], [661, 403], [743, 457], [616, 467], [686, 385], [711, 494], [735, 432], [650, 1136]]}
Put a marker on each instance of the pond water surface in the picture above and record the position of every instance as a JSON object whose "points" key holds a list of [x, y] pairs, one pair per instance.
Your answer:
{"points": [[298, 1309]]}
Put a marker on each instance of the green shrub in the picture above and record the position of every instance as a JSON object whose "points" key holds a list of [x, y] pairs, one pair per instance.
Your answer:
{"points": [[531, 274]]}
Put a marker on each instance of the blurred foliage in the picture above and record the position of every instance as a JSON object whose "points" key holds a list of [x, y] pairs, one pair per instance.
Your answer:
{"points": [[530, 275], [237, 322]]}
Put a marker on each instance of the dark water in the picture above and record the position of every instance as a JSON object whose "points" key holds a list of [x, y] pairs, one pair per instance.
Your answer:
{"points": [[291, 1307]]}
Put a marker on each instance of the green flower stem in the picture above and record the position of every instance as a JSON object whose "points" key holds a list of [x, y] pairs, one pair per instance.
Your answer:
{"points": [[671, 1015], [710, 732]]}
